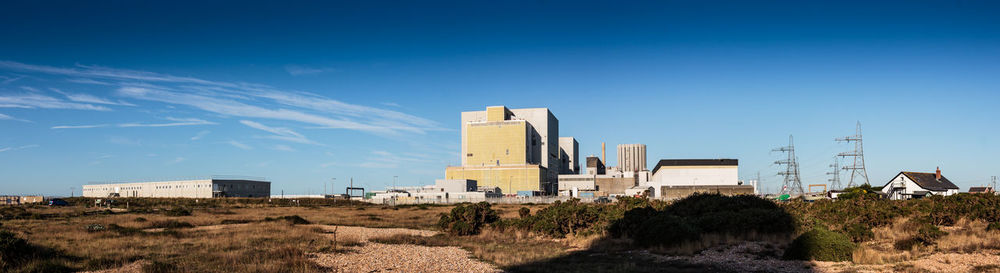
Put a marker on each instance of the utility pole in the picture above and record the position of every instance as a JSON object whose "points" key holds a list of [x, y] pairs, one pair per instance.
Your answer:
{"points": [[793, 182], [835, 181], [858, 168]]}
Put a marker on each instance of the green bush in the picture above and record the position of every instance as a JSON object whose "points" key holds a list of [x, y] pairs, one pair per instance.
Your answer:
{"points": [[468, 219], [13, 250], [993, 226], [291, 219], [699, 214], [524, 212], [177, 211], [170, 224], [858, 232], [820, 244], [665, 230]]}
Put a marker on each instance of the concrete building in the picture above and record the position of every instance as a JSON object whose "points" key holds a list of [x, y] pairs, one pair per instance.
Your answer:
{"points": [[910, 185], [513, 149], [631, 157], [198, 188], [569, 151], [679, 173]]}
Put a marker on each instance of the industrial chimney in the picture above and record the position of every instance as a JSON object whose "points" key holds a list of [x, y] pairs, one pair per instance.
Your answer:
{"points": [[938, 173]]}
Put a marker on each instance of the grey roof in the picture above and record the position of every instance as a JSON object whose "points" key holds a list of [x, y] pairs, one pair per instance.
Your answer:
{"points": [[929, 181], [696, 162]]}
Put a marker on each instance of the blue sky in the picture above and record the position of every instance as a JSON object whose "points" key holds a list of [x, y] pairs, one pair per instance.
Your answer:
{"points": [[304, 92]]}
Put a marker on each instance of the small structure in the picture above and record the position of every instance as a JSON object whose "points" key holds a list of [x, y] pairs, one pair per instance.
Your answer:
{"points": [[983, 190], [909, 185]]}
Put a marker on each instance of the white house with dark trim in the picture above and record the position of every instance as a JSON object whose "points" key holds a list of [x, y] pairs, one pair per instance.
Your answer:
{"points": [[908, 185]]}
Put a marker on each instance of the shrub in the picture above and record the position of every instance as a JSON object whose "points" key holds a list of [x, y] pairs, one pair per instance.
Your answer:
{"points": [[562, 218], [291, 219], [140, 219], [993, 226], [95, 228], [468, 219], [822, 245], [860, 192], [170, 224], [524, 212], [665, 230], [858, 232], [177, 211], [13, 250]]}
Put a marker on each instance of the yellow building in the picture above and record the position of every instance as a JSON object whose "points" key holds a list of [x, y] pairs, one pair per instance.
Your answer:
{"points": [[509, 149]]}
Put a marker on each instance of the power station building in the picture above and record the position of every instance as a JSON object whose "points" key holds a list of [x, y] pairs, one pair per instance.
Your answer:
{"points": [[198, 188], [516, 150]]}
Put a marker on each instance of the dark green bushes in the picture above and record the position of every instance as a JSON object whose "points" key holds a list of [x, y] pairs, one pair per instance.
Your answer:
{"points": [[291, 219], [822, 245], [170, 224], [177, 211], [689, 218], [468, 219], [524, 212]]}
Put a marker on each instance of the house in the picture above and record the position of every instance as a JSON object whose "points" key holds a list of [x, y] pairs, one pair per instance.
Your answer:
{"points": [[986, 189], [907, 185]]}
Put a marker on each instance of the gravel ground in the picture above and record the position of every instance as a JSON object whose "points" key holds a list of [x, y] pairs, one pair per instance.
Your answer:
{"points": [[375, 257], [745, 257]]}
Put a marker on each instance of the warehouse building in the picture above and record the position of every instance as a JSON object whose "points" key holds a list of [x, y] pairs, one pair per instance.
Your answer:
{"points": [[197, 188]]}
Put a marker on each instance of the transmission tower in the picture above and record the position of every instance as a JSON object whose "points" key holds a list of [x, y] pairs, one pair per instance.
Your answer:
{"points": [[792, 181], [858, 168], [835, 181], [994, 183]]}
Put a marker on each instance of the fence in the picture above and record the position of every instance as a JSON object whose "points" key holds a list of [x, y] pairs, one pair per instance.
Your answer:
{"points": [[494, 200]]}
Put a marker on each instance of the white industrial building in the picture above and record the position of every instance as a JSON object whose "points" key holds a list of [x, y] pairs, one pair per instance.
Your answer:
{"points": [[195, 188], [693, 173], [908, 185], [443, 191]]}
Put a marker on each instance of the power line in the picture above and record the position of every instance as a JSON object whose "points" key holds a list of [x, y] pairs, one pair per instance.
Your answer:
{"points": [[792, 181], [858, 168]]}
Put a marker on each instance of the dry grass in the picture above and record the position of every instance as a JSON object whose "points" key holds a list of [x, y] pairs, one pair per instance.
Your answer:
{"points": [[969, 237], [232, 239]]}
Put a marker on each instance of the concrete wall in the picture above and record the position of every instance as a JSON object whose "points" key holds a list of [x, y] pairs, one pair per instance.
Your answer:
{"points": [[569, 151], [613, 184], [456, 185], [677, 192], [583, 182], [510, 179], [181, 189], [631, 157], [497, 143]]}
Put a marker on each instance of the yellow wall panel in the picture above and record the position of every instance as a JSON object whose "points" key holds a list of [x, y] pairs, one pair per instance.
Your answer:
{"points": [[496, 143]]}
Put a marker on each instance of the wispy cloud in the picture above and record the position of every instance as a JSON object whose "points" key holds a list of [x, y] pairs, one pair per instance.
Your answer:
{"points": [[6, 117], [7, 149], [298, 70], [393, 104], [8, 80], [80, 126], [176, 160], [238, 99], [200, 135], [280, 133], [88, 98], [176, 122], [285, 148], [46, 102], [87, 81], [240, 145]]}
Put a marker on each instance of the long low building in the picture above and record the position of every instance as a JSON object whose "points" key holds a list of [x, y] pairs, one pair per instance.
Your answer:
{"points": [[198, 188]]}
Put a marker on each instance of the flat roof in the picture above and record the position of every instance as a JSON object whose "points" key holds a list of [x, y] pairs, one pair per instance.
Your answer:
{"points": [[696, 162]]}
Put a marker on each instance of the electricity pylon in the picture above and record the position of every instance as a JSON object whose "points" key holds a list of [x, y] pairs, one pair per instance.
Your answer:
{"points": [[835, 181], [792, 182], [858, 168]]}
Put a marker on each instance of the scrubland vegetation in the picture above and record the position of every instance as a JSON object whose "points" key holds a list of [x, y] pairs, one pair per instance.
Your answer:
{"points": [[254, 235]]}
